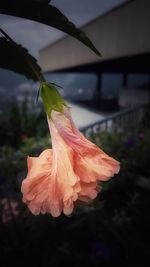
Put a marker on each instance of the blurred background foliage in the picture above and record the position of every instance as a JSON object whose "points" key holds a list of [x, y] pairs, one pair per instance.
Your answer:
{"points": [[112, 230]]}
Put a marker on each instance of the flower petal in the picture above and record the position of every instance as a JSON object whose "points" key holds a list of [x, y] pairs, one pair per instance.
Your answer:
{"points": [[67, 181], [89, 191], [91, 162], [51, 184]]}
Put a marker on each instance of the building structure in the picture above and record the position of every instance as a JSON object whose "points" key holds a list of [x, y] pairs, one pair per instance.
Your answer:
{"points": [[123, 37]]}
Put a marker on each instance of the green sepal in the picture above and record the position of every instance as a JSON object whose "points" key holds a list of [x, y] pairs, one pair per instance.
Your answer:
{"points": [[51, 98]]}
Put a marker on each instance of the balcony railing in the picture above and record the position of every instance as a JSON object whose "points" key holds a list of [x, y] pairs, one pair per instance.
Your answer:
{"points": [[123, 121]]}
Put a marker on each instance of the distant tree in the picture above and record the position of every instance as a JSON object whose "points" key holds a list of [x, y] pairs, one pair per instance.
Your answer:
{"points": [[14, 131]]}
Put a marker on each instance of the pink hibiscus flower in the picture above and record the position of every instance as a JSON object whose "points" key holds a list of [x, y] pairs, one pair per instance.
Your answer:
{"points": [[72, 170]]}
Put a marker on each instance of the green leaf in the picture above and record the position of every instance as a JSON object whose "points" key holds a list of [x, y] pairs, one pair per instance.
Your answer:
{"points": [[47, 14], [16, 58]]}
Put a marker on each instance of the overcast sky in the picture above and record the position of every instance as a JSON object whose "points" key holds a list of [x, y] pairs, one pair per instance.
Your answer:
{"points": [[35, 36]]}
